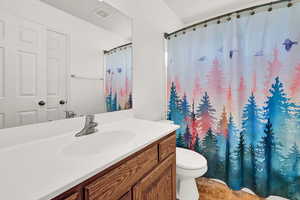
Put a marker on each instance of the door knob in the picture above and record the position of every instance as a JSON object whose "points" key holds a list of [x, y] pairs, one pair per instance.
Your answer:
{"points": [[62, 102], [42, 103]]}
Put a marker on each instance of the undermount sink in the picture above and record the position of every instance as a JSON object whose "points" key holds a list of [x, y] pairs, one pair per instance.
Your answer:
{"points": [[98, 143]]}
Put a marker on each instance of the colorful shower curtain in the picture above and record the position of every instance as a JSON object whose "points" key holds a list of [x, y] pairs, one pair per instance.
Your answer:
{"points": [[234, 88], [118, 79]]}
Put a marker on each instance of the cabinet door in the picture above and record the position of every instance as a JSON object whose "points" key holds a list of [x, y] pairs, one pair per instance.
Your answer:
{"points": [[73, 197], [118, 181], [127, 196], [159, 184]]}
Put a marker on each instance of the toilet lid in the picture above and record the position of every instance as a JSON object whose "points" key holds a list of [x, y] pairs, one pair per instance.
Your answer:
{"points": [[188, 159]]}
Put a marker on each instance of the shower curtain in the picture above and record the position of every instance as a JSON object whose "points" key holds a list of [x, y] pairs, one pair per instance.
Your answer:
{"points": [[118, 79], [234, 88]]}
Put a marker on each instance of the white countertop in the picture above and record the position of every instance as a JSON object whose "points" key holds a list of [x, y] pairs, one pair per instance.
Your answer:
{"points": [[41, 169]]}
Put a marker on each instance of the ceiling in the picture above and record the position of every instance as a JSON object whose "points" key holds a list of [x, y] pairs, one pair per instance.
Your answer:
{"points": [[98, 13], [190, 11]]}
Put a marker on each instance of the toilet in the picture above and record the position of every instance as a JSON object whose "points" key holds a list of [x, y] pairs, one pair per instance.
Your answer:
{"points": [[189, 166]]}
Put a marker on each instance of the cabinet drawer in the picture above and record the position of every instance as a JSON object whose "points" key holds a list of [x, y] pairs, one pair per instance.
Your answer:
{"points": [[167, 147], [119, 180]]}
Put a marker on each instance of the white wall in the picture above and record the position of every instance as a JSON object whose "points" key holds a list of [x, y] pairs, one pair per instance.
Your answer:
{"points": [[87, 43], [150, 20]]}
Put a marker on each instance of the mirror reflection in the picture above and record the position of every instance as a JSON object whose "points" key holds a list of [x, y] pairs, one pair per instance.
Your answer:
{"points": [[63, 59], [118, 78]]}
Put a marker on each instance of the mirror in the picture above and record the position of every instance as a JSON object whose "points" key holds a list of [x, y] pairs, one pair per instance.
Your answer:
{"points": [[63, 59]]}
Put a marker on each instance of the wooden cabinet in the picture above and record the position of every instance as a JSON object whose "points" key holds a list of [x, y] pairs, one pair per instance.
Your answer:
{"points": [[74, 196], [158, 184], [149, 174], [127, 196], [115, 183]]}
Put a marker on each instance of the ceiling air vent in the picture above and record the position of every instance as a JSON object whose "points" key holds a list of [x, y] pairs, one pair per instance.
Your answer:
{"points": [[102, 13]]}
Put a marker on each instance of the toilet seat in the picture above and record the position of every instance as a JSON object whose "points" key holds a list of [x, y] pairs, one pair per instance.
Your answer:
{"points": [[189, 160]]}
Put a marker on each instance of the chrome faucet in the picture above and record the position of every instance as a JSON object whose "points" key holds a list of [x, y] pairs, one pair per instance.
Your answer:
{"points": [[89, 126]]}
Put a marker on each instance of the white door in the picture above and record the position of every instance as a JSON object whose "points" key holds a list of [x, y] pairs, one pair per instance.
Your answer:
{"points": [[56, 75], [27, 73], [6, 89]]}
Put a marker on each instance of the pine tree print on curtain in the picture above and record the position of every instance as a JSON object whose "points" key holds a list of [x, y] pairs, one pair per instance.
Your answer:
{"points": [[234, 89], [118, 79]]}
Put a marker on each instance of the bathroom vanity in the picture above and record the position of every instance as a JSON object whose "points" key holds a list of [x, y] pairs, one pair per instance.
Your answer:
{"points": [[147, 174], [127, 158]]}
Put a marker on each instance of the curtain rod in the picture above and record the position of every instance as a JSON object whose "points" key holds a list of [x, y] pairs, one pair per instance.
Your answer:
{"points": [[118, 47], [166, 35]]}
